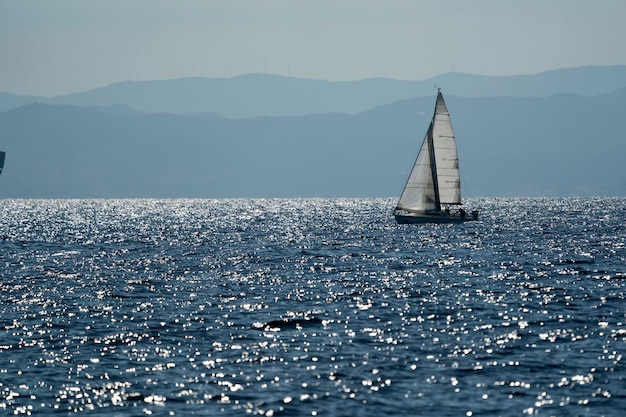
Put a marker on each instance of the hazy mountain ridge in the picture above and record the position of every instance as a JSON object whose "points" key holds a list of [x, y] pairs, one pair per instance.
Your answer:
{"points": [[559, 145], [254, 95]]}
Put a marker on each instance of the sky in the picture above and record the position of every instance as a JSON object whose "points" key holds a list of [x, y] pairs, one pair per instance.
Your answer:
{"points": [[50, 48]]}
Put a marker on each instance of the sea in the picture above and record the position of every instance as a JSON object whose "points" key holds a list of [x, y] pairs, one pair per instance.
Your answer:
{"points": [[311, 307]]}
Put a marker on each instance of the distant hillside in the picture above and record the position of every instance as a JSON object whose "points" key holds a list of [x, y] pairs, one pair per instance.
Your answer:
{"points": [[255, 95], [561, 145], [11, 101]]}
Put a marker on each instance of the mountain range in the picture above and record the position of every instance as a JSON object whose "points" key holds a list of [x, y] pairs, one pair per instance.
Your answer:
{"points": [[218, 138], [253, 95]]}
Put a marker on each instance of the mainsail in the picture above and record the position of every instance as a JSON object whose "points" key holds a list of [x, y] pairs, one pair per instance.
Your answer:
{"points": [[434, 180]]}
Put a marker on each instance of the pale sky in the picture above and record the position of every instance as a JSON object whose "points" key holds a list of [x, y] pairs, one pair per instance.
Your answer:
{"points": [[53, 47]]}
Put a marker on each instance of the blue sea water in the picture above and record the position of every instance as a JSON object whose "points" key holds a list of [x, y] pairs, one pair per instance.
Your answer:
{"points": [[311, 307]]}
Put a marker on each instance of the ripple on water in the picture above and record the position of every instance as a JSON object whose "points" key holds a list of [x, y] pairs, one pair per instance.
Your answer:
{"points": [[311, 307]]}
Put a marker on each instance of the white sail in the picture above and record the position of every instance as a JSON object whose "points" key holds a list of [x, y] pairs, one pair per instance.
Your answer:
{"points": [[434, 179], [419, 192], [446, 158]]}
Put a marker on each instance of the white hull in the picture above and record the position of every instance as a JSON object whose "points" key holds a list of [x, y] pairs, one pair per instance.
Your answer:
{"points": [[433, 218]]}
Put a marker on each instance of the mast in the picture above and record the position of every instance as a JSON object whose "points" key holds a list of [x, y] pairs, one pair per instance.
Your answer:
{"points": [[433, 164]]}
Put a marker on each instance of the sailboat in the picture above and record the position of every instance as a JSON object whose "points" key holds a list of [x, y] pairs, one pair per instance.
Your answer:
{"points": [[432, 193], [2, 155]]}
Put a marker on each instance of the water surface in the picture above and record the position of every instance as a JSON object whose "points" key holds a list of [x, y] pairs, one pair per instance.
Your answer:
{"points": [[311, 307]]}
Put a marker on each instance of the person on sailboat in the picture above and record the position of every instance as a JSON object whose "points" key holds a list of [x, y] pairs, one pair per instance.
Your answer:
{"points": [[461, 212]]}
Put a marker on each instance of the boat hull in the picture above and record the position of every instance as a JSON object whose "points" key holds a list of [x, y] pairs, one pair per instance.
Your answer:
{"points": [[434, 218]]}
